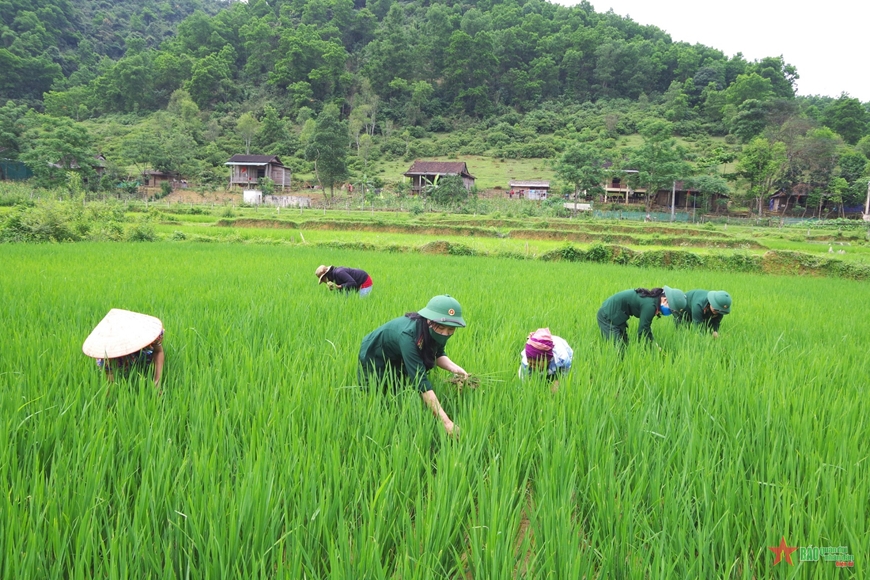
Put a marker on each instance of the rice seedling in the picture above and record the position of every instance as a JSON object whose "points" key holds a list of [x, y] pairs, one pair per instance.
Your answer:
{"points": [[262, 457]]}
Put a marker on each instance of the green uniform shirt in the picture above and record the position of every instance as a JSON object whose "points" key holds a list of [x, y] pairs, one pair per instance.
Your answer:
{"points": [[698, 309], [395, 345], [623, 305]]}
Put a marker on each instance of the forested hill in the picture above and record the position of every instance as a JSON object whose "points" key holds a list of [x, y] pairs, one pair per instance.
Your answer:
{"points": [[61, 43], [420, 58], [181, 85]]}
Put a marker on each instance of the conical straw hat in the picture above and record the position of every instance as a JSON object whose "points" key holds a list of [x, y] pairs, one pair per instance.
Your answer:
{"points": [[121, 332]]}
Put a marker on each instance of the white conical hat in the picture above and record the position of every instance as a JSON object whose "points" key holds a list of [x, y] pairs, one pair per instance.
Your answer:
{"points": [[121, 332]]}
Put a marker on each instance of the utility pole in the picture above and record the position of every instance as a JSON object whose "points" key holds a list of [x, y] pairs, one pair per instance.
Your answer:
{"points": [[867, 204], [673, 199]]}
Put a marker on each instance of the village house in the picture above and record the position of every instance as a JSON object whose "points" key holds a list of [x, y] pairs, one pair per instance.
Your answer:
{"points": [[784, 200], [246, 170], [156, 178], [686, 198], [98, 165], [529, 189], [424, 173], [616, 185]]}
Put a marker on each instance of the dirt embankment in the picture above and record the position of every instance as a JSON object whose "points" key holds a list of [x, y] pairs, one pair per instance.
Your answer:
{"points": [[605, 236]]}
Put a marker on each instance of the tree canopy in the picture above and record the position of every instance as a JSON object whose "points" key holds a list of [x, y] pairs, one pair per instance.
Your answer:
{"points": [[181, 86]]}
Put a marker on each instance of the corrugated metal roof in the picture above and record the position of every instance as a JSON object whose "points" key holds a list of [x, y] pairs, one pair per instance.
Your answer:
{"points": [[254, 160], [439, 168], [531, 184]]}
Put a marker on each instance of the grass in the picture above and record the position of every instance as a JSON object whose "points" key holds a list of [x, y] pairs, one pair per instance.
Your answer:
{"points": [[385, 229], [489, 172], [262, 459]]}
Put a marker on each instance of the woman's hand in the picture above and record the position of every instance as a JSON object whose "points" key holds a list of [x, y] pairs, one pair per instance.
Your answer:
{"points": [[445, 363]]}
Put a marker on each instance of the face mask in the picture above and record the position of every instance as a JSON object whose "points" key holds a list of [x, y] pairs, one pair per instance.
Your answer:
{"points": [[665, 311], [438, 338]]}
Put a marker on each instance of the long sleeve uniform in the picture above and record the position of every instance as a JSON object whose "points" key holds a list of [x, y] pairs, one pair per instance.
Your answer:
{"points": [[394, 344], [623, 305]]}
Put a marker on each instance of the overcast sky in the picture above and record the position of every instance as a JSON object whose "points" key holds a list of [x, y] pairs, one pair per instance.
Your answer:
{"points": [[828, 42]]}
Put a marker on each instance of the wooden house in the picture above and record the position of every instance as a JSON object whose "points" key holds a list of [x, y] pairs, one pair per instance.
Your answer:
{"points": [[155, 178], [98, 165], [783, 200], [686, 198], [616, 185], [246, 170], [529, 189], [424, 173]]}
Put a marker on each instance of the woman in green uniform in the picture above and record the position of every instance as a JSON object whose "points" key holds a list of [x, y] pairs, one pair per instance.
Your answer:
{"points": [[641, 303], [405, 349], [705, 310]]}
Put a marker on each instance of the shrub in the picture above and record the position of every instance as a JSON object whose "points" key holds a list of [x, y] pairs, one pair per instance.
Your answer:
{"points": [[45, 222], [141, 232], [598, 253]]}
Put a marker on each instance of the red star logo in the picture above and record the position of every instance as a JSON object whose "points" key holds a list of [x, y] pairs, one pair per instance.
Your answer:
{"points": [[780, 549]]}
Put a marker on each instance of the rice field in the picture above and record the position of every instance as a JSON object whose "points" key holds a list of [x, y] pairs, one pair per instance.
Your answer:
{"points": [[261, 457]]}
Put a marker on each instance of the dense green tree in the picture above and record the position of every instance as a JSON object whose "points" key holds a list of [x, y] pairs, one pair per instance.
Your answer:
{"points": [[676, 102], [273, 138], [200, 35], [248, 126], [761, 165], [707, 186], [25, 76], [449, 190], [468, 73], [75, 103], [53, 146], [659, 161], [127, 86], [210, 79], [169, 74], [175, 147], [712, 104], [260, 44], [12, 125], [533, 64], [848, 117], [327, 148], [140, 148], [181, 105], [855, 169], [582, 165], [312, 61], [750, 120], [750, 86], [782, 76]]}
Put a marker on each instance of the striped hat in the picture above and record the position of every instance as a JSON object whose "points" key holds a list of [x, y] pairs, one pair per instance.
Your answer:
{"points": [[540, 344]]}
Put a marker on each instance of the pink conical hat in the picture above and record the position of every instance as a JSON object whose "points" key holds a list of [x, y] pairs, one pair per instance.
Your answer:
{"points": [[121, 332]]}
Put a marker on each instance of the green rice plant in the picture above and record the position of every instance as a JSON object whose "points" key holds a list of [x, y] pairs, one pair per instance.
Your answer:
{"points": [[262, 457]]}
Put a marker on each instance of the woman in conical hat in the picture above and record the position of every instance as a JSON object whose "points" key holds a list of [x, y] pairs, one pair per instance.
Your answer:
{"points": [[125, 340]]}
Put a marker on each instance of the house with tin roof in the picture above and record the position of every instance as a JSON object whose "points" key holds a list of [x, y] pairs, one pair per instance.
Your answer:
{"points": [[529, 189], [248, 169], [423, 173]]}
